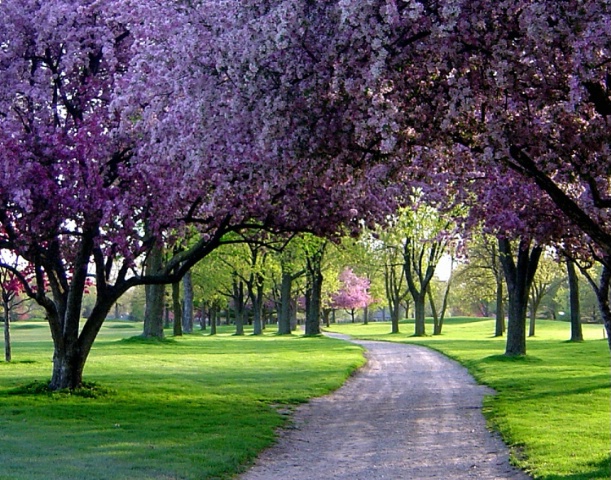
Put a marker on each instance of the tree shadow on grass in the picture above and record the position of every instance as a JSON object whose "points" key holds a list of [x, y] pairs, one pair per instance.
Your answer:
{"points": [[596, 470]]}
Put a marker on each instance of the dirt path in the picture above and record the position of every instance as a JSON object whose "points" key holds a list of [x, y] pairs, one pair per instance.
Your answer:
{"points": [[410, 413]]}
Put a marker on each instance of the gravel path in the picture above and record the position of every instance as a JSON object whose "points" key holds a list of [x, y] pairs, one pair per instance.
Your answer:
{"points": [[410, 413]]}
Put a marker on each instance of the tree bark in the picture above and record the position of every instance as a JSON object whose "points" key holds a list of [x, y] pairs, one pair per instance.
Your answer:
{"points": [[418, 276], [437, 320], [284, 319], [419, 317], [213, 319], [312, 326], [519, 277], [499, 327], [576, 330], [7, 332], [602, 294], [177, 309], [187, 306], [314, 290], [532, 319], [255, 292], [238, 300], [71, 349], [154, 294]]}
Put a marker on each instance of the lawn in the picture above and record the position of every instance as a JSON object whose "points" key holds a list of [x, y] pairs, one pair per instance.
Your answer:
{"points": [[191, 408], [553, 406]]}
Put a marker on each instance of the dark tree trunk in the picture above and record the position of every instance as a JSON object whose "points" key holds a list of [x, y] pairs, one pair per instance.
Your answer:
{"points": [[154, 294], [71, 349], [7, 332], [177, 309], [312, 325], [499, 328], [213, 318], [602, 290], [255, 290], [532, 320], [187, 306], [419, 318], [437, 321], [518, 276], [294, 321], [284, 318], [603, 298], [314, 279], [365, 315], [418, 276], [326, 314], [394, 295], [576, 330], [313, 298], [238, 299]]}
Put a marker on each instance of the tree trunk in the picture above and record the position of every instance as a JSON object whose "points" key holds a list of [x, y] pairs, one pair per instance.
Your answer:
{"points": [[153, 312], [326, 315], [213, 317], [256, 297], [187, 306], [238, 300], [7, 332], [284, 319], [436, 319], [499, 328], [533, 319], [71, 349], [293, 315], [519, 277], [394, 317], [419, 319], [314, 279], [313, 296], [177, 309], [576, 330]]}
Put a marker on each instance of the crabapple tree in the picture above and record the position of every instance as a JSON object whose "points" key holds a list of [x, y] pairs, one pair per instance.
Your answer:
{"points": [[353, 293], [122, 123]]}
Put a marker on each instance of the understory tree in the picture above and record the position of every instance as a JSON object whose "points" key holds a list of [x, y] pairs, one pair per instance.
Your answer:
{"points": [[353, 293]]}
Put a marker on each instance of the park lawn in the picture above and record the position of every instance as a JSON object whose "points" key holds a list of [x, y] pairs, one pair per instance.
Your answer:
{"points": [[552, 406], [189, 408]]}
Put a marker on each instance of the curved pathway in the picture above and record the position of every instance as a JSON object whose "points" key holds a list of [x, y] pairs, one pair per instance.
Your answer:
{"points": [[410, 413]]}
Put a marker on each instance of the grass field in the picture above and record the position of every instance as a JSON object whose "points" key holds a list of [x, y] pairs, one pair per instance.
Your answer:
{"points": [[192, 408], [552, 406]]}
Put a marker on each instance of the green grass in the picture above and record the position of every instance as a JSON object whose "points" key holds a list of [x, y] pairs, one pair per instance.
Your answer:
{"points": [[552, 406], [189, 408]]}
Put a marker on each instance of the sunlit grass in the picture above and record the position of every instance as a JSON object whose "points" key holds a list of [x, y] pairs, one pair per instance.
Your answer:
{"points": [[552, 406], [194, 407]]}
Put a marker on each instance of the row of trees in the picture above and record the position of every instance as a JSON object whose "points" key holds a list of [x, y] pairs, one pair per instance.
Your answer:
{"points": [[127, 127]]}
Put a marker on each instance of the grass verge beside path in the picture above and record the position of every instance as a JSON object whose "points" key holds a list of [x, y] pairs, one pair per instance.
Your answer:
{"points": [[552, 407], [196, 407]]}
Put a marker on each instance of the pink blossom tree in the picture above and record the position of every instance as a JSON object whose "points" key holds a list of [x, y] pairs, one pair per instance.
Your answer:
{"points": [[11, 286], [353, 294], [123, 123]]}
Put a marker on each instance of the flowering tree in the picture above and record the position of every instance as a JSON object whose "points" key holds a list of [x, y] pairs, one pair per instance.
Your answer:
{"points": [[353, 294], [527, 90], [122, 123], [10, 288]]}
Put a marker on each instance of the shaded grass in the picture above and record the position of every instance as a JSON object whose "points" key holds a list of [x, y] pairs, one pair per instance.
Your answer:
{"points": [[191, 408], [552, 406]]}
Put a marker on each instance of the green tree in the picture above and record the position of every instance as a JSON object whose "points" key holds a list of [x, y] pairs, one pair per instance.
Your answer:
{"points": [[546, 282]]}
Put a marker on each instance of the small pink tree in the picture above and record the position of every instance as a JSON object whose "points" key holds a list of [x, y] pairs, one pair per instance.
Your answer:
{"points": [[10, 288], [353, 294]]}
